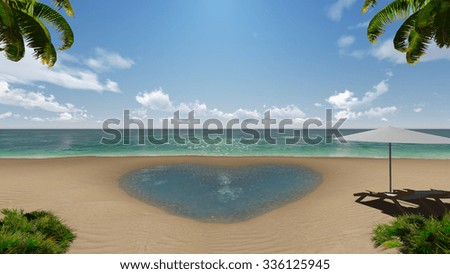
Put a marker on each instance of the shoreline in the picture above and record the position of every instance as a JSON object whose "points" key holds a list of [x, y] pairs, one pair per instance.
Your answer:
{"points": [[84, 191], [219, 156]]}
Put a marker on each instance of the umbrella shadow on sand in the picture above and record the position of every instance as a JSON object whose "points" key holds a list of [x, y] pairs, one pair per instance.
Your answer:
{"points": [[423, 202], [397, 202]]}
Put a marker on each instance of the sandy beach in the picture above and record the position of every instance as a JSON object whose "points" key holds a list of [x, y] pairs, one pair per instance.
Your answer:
{"points": [[84, 192]]}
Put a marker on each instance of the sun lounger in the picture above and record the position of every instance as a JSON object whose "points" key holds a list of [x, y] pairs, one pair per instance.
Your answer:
{"points": [[443, 194], [408, 195], [437, 195], [393, 196], [381, 195]]}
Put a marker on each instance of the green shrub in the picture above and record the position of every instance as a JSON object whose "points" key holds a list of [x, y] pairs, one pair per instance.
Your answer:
{"points": [[34, 232], [415, 234]]}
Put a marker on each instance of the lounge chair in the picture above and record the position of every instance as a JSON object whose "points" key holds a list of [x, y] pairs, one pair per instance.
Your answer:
{"points": [[393, 196], [437, 195], [417, 197], [408, 195]]}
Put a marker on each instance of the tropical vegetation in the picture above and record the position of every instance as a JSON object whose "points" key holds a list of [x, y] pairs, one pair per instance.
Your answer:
{"points": [[34, 232], [425, 21], [415, 234], [23, 23]]}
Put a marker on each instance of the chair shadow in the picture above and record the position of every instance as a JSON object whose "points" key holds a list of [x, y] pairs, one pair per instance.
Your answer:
{"points": [[425, 207]]}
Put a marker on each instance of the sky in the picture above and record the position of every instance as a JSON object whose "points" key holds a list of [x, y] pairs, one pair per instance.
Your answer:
{"points": [[226, 59]]}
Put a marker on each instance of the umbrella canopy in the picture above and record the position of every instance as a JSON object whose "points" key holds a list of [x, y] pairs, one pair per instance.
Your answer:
{"points": [[396, 135]]}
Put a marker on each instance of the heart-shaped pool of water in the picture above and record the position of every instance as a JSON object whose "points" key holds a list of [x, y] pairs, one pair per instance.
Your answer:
{"points": [[220, 194]]}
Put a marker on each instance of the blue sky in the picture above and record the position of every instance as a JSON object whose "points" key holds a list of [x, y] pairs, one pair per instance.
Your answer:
{"points": [[226, 59]]}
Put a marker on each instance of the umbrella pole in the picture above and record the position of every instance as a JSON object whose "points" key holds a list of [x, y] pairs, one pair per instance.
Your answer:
{"points": [[390, 167]]}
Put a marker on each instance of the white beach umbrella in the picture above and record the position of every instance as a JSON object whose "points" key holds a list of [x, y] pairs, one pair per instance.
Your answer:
{"points": [[395, 135]]}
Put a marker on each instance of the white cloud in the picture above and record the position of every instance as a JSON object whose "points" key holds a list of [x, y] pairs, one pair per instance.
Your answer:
{"points": [[30, 71], [159, 100], [379, 89], [386, 51], [418, 109], [112, 86], [63, 56], [141, 113], [347, 99], [34, 119], [61, 117], [358, 54], [350, 106], [345, 114], [343, 100], [65, 116], [238, 114], [345, 41], [361, 25], [29, 100], [319, 105], [336, 10], [287, 112], [156, 100], [435, 53], [246, 114], [376, 112], [389, 73], [379, 112], [37, 100], [106, 60], [6, 115]]}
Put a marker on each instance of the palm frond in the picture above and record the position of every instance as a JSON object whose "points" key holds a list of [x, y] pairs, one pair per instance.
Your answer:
{"points": [[425, 20], [400, 41], [64, 4], [398, 9], [426, 16], [442, 24], [418, 44], [419, 4], [11, 40], [368, 4], [36, 36], [28, 20], [55, 19]]}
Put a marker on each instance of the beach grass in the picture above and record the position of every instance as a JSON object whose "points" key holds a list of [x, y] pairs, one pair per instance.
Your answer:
{"points": [[415, 234], [37, 232]]}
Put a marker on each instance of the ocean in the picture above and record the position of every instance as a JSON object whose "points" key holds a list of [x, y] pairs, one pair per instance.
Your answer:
{"points": [[49, 143]]}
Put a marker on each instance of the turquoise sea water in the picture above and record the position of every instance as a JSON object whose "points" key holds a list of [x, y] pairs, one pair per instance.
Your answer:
{"points": [[220, 194], [45, 143]]}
